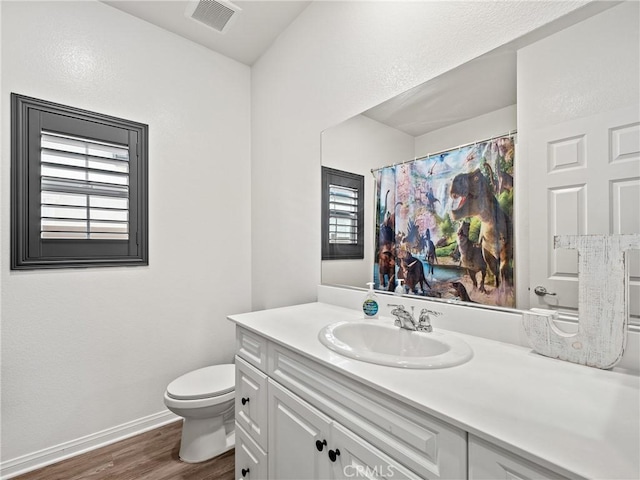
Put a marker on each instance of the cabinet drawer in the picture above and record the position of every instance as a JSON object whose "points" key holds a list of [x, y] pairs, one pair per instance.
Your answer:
{"points": [[251, 401], [424, 444], [252, 348], [251, 461], [488, 462]]}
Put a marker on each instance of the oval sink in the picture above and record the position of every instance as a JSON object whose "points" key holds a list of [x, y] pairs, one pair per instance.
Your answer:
{"points": [[385, 344]]}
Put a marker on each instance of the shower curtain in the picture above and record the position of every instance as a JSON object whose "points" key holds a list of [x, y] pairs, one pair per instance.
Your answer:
{"points": [[444, 224]]}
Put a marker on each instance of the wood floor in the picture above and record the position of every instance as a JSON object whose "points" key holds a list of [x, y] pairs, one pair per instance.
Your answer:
{"points": [[149, 456]]}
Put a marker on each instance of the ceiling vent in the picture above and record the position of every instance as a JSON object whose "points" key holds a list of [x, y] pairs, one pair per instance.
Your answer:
{"points": [[216, 14]]}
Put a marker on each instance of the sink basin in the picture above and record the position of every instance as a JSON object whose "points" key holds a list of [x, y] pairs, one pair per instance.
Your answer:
{"points": [[385, 344]]}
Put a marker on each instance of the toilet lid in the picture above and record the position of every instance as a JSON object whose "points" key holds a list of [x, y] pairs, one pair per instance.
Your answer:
{"points": [[203, 383]]}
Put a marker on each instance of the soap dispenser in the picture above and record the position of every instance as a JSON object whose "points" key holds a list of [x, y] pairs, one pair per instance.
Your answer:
{"points": [[370, 305], [400, 288]]}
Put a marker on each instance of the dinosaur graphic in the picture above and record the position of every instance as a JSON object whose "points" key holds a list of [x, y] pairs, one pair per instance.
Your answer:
{"points": [[471, 256], [412, 271], [459, 291], [476, 200], [430, 257], [386, 252]]}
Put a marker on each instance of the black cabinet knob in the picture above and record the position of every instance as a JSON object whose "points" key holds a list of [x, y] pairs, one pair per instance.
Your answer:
{"points": [[245, 471], [244, 401], [334, 454], [320, 444]]}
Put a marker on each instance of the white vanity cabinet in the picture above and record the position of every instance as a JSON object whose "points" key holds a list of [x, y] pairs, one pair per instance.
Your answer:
{"points": [[295, 427], [488, 462], [322, 425], [251, 401], [305, 444], [506, 414], [356, 458], [251, 460], [251, 407]]}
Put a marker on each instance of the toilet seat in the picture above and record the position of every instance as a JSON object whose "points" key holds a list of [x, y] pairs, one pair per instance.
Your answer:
{"points": [[207, 382]]}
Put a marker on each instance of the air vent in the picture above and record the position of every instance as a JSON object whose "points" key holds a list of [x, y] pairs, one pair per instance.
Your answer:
{"points": [[216, 14]]}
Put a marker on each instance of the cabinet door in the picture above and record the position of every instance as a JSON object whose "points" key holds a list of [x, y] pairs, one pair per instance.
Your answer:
{"points": [[488, 462], [294, 429], [251, 461], [355, 458], [251, 401]]}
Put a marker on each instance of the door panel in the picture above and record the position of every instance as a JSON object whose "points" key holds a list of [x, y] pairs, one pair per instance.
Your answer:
{"points": [[584, 179], [294, 429], [358, 459]]}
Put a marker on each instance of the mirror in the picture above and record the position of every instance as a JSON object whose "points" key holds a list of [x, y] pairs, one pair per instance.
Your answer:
{"points": [[473, 102], [479, 100]]}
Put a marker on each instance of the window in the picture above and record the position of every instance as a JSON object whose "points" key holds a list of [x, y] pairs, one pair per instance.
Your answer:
{"points": [[342, 215], [79, 187]]}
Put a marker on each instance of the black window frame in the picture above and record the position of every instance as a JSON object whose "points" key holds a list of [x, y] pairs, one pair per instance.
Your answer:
{"points": [[28, 250], [337, 251]]}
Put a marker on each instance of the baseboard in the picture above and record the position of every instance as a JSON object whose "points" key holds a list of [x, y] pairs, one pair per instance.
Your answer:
{"points": [[57, 453]]}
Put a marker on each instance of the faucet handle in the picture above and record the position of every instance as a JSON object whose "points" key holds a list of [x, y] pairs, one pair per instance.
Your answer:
{"points": [[424, 324], [398, 311]]}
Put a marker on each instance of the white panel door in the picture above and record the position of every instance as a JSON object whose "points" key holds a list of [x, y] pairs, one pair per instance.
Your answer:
{"points": [[298, 438], [584, 179]]}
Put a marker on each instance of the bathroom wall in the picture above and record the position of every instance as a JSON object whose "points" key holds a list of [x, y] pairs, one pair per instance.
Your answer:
{"points": [[336, 60], [357, 146], [87, 353], [485, 126]]}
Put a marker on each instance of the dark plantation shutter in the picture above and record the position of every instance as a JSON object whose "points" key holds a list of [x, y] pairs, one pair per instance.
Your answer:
{"points": [[343, 215], [84, 188], [79, 187]]}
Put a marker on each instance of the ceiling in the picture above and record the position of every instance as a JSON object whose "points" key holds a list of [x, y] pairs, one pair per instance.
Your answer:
{"points": [[483, 85], [252, 32]]}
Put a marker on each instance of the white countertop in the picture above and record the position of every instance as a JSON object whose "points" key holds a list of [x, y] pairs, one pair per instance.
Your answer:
{"points": [[576, 420]]}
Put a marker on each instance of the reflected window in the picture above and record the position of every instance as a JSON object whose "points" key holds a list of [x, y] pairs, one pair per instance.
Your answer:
{"points": [[342, 215]]}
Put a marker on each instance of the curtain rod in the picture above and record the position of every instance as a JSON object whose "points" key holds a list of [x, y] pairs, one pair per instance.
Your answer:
{"points": [[510, 133]]}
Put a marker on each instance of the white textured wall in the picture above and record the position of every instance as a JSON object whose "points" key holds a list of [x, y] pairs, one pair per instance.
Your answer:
{"points": [[336, 60], [589, 68], [357, 146], [84, 350]]}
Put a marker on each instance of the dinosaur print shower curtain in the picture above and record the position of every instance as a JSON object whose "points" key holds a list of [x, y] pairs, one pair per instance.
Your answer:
{"points": [[444, 224]]}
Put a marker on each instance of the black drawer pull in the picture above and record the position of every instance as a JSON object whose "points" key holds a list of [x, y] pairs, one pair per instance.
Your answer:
{"points": [[245, 471], [321, 444], [334, 454], [244, 401]]}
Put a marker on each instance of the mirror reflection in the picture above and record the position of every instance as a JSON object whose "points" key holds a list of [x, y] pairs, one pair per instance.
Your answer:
{"points": [[444, 224], [572, 95]]}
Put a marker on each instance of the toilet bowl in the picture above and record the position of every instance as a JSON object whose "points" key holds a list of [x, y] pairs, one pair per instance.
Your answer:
{"points": [[205, 399]]}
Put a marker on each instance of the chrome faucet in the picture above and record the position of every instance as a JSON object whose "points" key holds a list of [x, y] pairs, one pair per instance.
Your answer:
{"points": [[406, 320], [424, 319]]}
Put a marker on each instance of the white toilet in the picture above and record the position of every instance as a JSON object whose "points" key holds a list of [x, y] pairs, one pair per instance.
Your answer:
{"points": [[205, 399]]}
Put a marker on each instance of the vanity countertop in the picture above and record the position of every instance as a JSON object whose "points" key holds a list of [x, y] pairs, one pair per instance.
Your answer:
{"points": [[575, 420]]}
